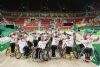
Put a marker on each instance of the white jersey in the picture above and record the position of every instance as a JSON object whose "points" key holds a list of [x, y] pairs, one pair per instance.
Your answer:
{"points": [[67, 42], [70, 43], [42, 44], [22, 44], [29, 38], [79, 37], [62, 36], [55, 41], [12, 40], [87, 43], [35, 37]]}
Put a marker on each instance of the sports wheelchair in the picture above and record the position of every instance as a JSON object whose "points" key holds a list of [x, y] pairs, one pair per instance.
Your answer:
{"points": [[28, 51], [94, 56], [72, 55], [17, 53], [42, 54]]}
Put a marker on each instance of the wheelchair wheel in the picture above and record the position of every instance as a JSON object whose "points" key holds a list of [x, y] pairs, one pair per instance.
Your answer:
{"points": [[8, 51], [34, 56], [33, 53], [95, 57], [44, 55], [75, 52], [64, 52], [50, 54], [17, 53]]}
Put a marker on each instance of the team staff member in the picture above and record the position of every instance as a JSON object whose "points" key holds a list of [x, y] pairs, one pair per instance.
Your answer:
{"points": [[12, 44]]}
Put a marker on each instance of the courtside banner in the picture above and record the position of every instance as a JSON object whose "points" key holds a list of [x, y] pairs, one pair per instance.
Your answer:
{"points": [[4, 43]]}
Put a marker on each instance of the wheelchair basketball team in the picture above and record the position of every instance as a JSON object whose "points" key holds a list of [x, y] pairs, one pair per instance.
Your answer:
{"points": [[49, 45]]}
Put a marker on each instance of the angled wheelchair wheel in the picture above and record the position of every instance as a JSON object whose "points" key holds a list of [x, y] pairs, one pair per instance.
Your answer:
{"points": [[75, 52], [35, 58], [8, 51], [33, 54], [95, 57], [64, 52], [44, 55], [50, 54], [17, 53]]}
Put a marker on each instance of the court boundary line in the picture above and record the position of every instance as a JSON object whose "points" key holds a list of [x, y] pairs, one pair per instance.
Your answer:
{"points": [[4, 61]]}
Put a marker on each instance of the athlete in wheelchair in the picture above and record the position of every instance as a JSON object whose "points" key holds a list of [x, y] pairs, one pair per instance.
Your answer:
{"points": [[55, 46], [40, 50], [67, 46], [86, 47], [36, 39], [29, 48], [25, 45]]}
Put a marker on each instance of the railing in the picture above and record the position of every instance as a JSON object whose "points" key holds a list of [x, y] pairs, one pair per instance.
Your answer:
{"points": [[51, 14]]}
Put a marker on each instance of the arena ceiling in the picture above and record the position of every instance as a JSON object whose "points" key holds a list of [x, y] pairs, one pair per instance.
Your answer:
{"points": [[47, 5]]}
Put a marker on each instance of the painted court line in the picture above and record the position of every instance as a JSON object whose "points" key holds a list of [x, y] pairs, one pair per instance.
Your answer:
{"points": [[4, 61]]}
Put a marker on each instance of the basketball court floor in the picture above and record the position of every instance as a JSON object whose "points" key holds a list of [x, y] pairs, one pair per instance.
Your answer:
{"points": [[6, 61], [13, 62]]}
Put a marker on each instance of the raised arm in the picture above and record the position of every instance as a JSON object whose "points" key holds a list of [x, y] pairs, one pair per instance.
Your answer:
{"points": [[94, 40]]}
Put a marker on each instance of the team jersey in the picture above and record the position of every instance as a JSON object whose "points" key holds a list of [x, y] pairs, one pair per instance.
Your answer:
{"points": [[35, 37], [68, 42], [22, 44], [62, 36], [42, 44], [29, 38], [87, 43], [79, 37], [55, 41], [12, 40]]}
